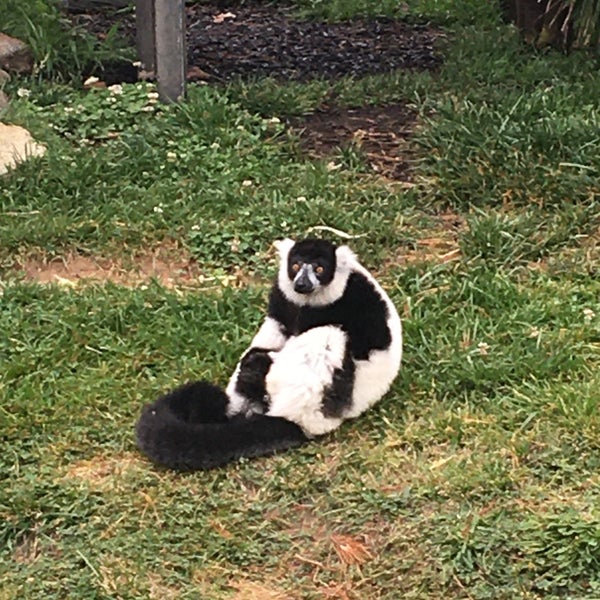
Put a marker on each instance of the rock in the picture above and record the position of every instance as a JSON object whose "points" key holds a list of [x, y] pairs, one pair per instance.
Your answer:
{"points": [[16, 145], [15, 55], [4, 77], [3, 100]]}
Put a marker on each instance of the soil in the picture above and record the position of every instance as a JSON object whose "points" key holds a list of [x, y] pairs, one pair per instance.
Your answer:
{"points": [[252, 39], [268, 41], [228, 40], [167, 264], [377, 133]]}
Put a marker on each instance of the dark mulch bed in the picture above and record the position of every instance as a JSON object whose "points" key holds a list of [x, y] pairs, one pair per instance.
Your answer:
{"points": [[255, 39], [258, 39], [262, 40], [378, 134]]}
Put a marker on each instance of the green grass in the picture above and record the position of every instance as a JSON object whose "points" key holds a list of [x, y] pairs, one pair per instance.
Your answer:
{"points": [[59, 49], [476, 477]]}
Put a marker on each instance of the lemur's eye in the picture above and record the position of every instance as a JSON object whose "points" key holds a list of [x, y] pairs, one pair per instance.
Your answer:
{"points": [[296, 267], [319, 270]]}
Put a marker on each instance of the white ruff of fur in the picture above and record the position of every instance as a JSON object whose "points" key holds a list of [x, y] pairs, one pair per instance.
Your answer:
{"points": [[322, 296], [299, 375]]}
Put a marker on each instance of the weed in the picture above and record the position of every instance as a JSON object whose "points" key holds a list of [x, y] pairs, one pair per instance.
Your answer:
{"points": [[59, 49]]}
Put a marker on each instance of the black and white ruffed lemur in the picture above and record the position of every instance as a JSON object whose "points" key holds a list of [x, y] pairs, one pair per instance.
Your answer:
{"points": [[328, 349]]}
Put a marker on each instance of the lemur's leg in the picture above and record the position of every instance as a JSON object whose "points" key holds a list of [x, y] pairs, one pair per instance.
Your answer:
{"points": [[311, 379], [246, 388]]}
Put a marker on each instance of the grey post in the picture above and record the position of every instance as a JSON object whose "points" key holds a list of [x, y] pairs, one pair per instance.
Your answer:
{"points": [[170, 56], [144, 33]]}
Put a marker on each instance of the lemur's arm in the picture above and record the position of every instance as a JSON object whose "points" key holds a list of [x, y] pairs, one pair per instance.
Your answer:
{"points": [[271, 336], [246, 388]]}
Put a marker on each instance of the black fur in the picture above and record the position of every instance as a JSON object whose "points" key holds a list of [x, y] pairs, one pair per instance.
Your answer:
{"points": [[316, 252], [187, 429], [250, 383], [197, 402], [359, 298], [338, 396]]}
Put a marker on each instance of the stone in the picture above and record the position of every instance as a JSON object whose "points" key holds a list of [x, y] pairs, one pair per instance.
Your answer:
{"points": [[3, 100], [4, 77], [16, 145], [15, 55]]}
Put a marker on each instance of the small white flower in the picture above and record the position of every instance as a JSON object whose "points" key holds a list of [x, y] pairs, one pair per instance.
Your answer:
{"points": [[91, 81], [137, 63], [240, 128], [332, 166], [69, 109], [116, 89], [483, 348], [534, 332], [246, 183], [148, 108], [111, 99], [171, 156], [215, 145], [301, 199], [158, 209], [23, 93], [152, 95], [273, 120], [588, 315], [195, 227]]}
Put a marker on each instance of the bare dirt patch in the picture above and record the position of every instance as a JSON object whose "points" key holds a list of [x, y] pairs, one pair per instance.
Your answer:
{"points": [[159, 590], [351, 550], [437, 242], [103, 472], [167, 264], [27, 549], [249, 590], [379, 135], [30, 546]]}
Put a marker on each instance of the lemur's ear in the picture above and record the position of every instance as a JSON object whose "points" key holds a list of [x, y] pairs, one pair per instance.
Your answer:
{"points": [[283, 246], [344, 257]]}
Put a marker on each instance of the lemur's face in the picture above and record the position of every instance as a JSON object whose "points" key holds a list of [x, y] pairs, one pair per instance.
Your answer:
{"points": [[311, 265]]}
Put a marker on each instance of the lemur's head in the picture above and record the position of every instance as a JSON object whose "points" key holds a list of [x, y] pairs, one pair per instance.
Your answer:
{"points": [[313, 271], [311, 264]]}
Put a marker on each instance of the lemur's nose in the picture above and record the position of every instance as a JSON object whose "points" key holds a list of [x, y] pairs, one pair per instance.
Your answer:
{"points": [[303, 285]]}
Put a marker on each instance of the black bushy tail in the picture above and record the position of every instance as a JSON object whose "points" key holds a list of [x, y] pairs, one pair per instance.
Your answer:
{"points": [[188, 429]]}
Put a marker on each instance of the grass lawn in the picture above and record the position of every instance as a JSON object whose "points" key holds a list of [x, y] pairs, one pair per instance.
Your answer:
{"points": [[477, 476]]}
